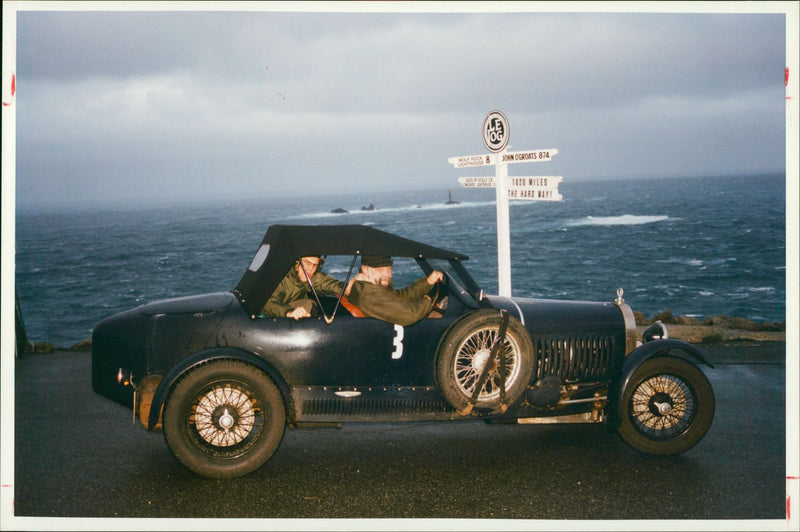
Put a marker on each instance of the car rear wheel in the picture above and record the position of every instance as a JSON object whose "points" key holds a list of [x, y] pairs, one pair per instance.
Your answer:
{"points": [[465, 351], [224, 419], [667, 408]]}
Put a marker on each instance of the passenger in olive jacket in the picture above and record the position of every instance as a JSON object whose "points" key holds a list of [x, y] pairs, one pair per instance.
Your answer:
{"points": [[373, 293], [291, 298]]}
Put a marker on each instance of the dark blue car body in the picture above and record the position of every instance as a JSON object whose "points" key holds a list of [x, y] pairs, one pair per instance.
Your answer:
{"points": [[565, 361]]}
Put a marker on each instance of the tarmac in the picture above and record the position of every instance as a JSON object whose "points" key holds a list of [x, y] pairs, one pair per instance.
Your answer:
{"points": [[78, 455]]}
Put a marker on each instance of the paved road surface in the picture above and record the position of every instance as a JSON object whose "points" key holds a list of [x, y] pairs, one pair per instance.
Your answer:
{"points": [[80, 455]]}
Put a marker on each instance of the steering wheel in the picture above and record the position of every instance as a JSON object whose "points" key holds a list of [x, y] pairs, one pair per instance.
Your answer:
{"points": [[458, 291], [438, 295]]}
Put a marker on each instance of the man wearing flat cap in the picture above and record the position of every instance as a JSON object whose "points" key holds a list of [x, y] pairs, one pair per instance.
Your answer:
{"points": [[373, 293]]}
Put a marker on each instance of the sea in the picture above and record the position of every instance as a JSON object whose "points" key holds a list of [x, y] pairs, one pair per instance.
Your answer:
{"points": [[699, 246]]}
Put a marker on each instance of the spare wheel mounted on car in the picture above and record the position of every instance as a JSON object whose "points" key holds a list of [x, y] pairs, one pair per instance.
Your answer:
{"points": [[466, 349]]}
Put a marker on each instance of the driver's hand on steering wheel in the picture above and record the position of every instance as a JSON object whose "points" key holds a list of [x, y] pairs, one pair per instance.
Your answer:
{"points": [[435, 277]]}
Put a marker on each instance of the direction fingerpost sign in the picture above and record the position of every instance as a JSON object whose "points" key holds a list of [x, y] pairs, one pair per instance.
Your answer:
{"points": [[496, 134]]}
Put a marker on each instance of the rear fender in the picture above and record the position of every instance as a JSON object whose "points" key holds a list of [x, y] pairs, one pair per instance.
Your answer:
{"points": [[202, 357], [656, 348]]}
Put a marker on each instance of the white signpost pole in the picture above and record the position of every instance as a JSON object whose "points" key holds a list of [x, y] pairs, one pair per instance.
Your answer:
{"points": [[503, 228], [496, 134], [540, 188]]}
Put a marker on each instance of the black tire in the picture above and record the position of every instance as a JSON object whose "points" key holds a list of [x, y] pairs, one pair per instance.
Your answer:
{"points": [[667, 407], [224, 419], [464, 350]]}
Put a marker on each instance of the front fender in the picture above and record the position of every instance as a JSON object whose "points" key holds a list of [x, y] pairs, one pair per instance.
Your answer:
{"points": [[202, 357], [656, 348]]}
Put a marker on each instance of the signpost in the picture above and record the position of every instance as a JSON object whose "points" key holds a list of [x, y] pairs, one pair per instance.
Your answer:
{"points": [[467, 161], [532, 188]]}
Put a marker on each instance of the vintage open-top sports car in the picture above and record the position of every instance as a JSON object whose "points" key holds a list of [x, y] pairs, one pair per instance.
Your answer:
{"points": [[223, 382]]}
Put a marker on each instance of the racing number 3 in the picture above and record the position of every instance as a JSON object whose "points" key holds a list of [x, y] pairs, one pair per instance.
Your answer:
{"points": [[397, 342]]}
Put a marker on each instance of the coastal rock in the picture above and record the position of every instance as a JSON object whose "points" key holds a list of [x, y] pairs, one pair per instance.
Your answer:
{"points": [[687, 320], [339, 210], [742, 324], [371, 207], [714, 329], [83, 345], [664, 317], [42, 348], [704, 334]]}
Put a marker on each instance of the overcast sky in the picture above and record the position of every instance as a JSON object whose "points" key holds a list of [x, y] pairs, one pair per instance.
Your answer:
{"points": [[115, 105]]}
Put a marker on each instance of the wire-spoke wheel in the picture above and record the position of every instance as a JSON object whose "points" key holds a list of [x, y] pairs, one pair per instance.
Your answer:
{"points": [[472, 356], [224, 419], [465, 352], [667, 408]]}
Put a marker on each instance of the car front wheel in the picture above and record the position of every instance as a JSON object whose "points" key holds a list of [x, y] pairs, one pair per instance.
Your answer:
{"points": [[667, 407], [224, 419]]}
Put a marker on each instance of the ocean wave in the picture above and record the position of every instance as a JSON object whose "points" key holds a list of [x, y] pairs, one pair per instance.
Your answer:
{"points": [[404, 208], [625, 219], [718, 262], [686, 261]]}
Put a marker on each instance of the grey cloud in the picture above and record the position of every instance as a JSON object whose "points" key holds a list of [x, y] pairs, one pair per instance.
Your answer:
{"points": [[179, 100]]}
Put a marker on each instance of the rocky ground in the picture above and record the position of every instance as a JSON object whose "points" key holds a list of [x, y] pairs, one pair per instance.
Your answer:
{"points": [[707, 334], [714, 329]]}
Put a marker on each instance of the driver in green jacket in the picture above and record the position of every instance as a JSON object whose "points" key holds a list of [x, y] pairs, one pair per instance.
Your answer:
{"points": [[373, 293], [291, 298]]}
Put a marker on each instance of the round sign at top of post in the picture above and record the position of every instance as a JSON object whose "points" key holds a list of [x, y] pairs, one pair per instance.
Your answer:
{"points": [[495, 131]]}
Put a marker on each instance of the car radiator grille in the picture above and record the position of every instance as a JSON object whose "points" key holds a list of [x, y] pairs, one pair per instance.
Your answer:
{"points": [[573, 359]]}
